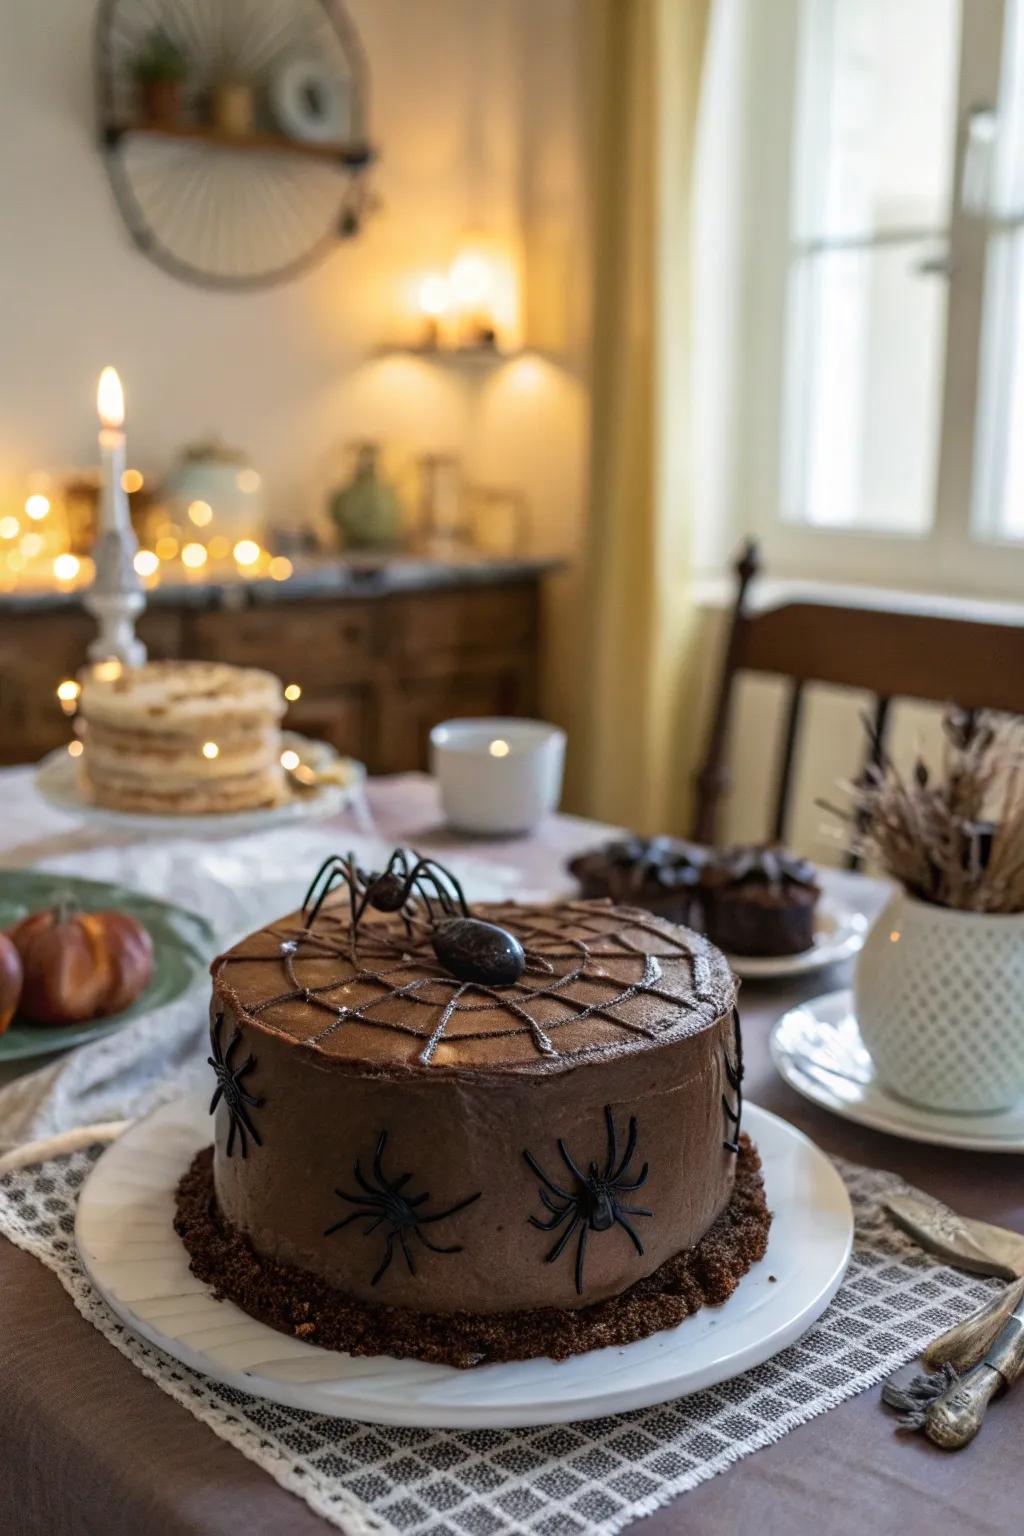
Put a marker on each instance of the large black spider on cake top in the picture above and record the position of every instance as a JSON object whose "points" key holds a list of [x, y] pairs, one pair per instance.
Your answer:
{"points": [[230, 1087], [384, 1203], [594, 1203], [469, 948]]}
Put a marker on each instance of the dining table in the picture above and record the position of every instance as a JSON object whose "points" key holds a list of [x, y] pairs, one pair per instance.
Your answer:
{"points": [[89, 1445]]}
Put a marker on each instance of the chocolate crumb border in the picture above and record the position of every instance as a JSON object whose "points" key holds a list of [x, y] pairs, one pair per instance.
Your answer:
{"points": [[301, 1304]]}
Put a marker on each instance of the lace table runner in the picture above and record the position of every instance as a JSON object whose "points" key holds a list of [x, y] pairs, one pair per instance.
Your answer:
{"points": [[592, 1477]]}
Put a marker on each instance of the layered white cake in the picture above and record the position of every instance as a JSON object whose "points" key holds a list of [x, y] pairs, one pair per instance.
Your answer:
{"points": [[182, 737]]}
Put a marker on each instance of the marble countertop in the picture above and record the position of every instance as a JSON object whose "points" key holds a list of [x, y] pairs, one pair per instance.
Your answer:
{"points": [[327, 576]]}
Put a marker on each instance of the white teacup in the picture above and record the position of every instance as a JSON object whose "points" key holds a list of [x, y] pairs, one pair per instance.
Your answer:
{"points": [[498, 777]]}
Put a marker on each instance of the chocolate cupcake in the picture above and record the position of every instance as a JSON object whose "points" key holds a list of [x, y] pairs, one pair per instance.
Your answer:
{"points": [[759, 901], [660, 874]]}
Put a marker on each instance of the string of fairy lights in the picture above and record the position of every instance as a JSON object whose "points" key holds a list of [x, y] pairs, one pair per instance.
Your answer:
{"points": [[69, 691]]}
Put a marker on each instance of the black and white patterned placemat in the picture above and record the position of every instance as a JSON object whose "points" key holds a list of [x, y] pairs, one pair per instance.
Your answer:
{"points": [[566, 1480]]}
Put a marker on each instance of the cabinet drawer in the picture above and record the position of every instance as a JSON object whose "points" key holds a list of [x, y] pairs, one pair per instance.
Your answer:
{"points": [[307, 643], [476, 618]]}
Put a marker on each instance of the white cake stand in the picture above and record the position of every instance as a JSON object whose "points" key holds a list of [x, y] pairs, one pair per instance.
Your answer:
{"points": [[141, 1268], [58, 781]]}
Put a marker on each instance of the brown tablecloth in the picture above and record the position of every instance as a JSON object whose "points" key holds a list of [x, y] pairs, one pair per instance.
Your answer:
{"points": [[88, 1445]]}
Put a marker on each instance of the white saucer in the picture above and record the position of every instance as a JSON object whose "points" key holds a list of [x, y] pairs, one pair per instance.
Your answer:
{"points": [[140, 1267], [839, 933], [59, 783], [817, 1049]]}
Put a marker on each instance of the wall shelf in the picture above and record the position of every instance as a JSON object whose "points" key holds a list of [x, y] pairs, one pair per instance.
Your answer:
{"points": [[351, 155]]}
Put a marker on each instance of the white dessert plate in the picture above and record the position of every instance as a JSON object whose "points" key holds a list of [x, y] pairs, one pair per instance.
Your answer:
{"points": [[817, 1049], [839, 933], [59, 783], [140, 1267]]}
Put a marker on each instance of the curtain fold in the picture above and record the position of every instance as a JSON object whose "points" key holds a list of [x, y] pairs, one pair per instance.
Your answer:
{"points": [[645, 61]]}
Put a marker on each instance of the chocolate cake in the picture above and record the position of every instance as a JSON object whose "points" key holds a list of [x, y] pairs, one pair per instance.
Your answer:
{"points": [[760, 901], [472, 1136], [660, 874]]}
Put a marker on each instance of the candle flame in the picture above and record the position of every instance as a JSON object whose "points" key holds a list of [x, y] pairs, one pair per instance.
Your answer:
{"points": [[110, 399]]}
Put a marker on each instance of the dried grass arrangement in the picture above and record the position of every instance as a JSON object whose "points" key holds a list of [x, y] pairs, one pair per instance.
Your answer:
{"points": [[954, 838]]}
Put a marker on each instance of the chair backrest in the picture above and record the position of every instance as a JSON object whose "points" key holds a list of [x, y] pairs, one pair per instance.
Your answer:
{"points": [[890, 649]]}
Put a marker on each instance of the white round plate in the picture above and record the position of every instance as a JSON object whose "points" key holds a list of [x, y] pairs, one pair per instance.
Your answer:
{"points": [[839, 933], [818, 1050], [59, 783], [140, 1267]]}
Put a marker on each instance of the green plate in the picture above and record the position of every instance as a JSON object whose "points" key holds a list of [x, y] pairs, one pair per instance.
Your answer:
{"points": [[183, 946]]}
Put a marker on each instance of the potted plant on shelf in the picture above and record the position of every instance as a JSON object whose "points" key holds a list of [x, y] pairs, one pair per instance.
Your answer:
{"points": [[939, 984], [159, 70]]}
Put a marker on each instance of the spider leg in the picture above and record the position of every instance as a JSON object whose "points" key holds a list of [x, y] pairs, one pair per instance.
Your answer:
{"points": [[557, 1217], [246, 1125], [217, 1092], [567, 1160], [436, 1247], [580, 1251], [232, 1047], [449, 892], [374, 1201], [641, 1179], [630, 1149], [556, 1189], [363, 1181], [637, 1244], [609, 1121], [353, 1216], [443, 1215], [633, 1210], [378, 1171], [331, 873], [552, 1254], [389, 1251], [545, 1199], [410, 1261]]}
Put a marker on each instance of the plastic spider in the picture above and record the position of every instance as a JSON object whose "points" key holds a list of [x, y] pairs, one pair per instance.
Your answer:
{"points": [[734, 1077], [472, 950], [229, 1087], [382, 1203], [594, 1205]]}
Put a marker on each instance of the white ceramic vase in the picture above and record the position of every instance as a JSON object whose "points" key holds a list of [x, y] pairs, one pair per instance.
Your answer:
{"points": [[939, 999]]}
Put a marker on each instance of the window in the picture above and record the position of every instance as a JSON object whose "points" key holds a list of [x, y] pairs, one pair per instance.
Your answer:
{"points": [[885, 399]]}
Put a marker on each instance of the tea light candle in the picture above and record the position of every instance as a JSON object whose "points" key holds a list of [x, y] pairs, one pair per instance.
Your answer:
{"points": [[498, 776]]}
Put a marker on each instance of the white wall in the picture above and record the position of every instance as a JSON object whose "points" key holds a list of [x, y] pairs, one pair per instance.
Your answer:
{"points": [[288, 373]]}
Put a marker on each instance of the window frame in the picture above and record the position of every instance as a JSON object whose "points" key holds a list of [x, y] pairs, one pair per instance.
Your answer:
{"points": [[956, 554]]}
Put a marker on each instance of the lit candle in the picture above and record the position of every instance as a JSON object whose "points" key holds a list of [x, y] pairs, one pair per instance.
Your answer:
{"points": [[114, 516], [115, 597]]}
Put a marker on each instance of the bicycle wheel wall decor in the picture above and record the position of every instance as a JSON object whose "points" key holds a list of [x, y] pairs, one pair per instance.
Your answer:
{"points": [[234, 132]]}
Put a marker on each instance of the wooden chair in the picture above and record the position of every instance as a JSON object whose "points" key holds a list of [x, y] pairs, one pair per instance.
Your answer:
{"points": [[891, 652]]}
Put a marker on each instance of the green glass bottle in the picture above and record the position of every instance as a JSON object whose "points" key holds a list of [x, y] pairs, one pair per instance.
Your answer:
{"points": [[367, 512]]}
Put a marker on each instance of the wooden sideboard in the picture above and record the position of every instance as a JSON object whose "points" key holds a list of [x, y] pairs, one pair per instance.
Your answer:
{"points": [[377, 667]]}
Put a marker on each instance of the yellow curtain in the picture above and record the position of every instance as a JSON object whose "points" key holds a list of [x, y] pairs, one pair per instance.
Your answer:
{"points": [[645, 58]]}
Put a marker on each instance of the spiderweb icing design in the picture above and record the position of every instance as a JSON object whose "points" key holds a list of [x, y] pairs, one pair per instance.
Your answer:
{"points": [[628, 975]]}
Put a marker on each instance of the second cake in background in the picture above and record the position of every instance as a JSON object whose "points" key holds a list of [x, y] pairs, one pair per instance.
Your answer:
{"points": [[182, 737]]}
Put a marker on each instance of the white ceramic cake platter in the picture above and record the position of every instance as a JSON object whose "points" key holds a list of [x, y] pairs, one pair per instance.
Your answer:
{"points": [[838, 933], [59, 783], [140, 1267], [817, 1049]]}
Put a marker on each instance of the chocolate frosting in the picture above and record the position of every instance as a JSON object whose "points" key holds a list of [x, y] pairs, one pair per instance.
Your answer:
{"points": [[642, 863], [760, 865], [620, 1019]]}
